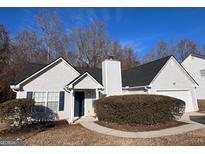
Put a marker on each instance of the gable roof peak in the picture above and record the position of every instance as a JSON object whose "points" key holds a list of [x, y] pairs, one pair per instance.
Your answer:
{"points": [[32, 69]]}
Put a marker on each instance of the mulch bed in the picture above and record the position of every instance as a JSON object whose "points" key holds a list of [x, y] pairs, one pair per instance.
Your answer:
{"points": [[140, 128]]}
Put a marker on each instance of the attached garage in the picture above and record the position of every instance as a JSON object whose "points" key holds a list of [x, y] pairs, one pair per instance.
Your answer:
{"points": [[163, 77], [184, 95]]}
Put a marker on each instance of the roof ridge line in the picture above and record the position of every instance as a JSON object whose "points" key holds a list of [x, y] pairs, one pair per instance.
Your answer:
{"points": [[148, 63]]}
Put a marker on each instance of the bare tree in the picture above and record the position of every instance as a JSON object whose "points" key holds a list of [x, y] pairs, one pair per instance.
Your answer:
{"points": [[116, 50], [151, 55], [129, 59], [53, 35], [186, 47], [91, 44], [6, 71], [180, 49], [161, 50], [27, 47], [173, 48], [125, 54], [4, 46]]}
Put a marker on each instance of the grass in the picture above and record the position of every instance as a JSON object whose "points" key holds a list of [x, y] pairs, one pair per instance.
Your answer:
{"points": [[140, 128], [31, 130], [65, 134], [77, 135]]}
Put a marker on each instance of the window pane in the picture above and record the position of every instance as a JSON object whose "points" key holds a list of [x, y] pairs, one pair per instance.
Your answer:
{"points": [[53, 106], [53, 96], [29, 95], [40, 98], [53, 99]]}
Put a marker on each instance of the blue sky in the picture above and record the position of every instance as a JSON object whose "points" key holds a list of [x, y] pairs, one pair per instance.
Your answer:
{"points": [[141, 28]]}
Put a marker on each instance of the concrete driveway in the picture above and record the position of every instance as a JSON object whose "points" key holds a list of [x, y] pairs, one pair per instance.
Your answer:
{"points": [[194, 117]]}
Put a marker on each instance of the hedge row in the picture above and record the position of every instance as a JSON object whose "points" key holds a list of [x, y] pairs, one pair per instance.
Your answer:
{"points": [[139, 109]]}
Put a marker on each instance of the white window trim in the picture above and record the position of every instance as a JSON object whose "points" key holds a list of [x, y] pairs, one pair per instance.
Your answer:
{"points": [[46, 99]]}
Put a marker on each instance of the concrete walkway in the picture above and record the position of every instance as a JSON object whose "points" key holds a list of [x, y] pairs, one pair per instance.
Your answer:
{"points": [[191, 118]]}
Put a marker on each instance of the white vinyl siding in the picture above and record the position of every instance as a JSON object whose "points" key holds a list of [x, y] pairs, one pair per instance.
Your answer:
{"points": [[196, 68]]}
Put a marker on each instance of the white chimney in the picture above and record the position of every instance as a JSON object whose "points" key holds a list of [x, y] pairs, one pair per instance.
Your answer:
{"points": [[111, 77]]}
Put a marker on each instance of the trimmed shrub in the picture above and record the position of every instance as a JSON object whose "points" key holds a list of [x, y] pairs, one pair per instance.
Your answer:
{"points": [[16, 112], [139, 109]]}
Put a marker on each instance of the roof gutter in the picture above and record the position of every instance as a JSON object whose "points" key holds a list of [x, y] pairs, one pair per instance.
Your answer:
{"points": [[15, 87], [136, 87], [68, 88]]}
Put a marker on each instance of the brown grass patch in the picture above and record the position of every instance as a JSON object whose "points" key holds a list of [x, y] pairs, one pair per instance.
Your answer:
{"points": [[77, 135], [32, 129]]}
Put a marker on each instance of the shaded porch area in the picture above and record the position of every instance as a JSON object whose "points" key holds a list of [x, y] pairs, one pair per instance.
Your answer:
{"points": [[84, 90]]}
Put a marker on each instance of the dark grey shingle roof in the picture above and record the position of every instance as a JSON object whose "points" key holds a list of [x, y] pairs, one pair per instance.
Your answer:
{"points": [[144, 74], [28, 70], [138, 76]]}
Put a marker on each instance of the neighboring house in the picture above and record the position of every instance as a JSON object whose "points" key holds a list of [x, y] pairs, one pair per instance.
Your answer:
{"points": [[195, 66], [70, 91]]}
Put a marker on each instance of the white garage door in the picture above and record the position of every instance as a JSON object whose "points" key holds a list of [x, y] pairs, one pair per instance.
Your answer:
{"points": [[180, 94]]}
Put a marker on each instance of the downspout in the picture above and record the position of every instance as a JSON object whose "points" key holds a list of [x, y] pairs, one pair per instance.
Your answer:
{"points": [[148, 90]]}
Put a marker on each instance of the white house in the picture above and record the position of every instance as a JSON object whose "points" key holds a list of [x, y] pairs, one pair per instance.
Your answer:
{"points": [[195, 66], [70, 91]]}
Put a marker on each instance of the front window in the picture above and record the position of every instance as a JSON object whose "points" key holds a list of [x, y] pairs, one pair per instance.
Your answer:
{"points": [[47, 99]]}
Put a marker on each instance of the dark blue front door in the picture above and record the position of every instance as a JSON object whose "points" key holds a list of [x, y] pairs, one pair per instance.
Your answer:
{"points": [[79, 104]]}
